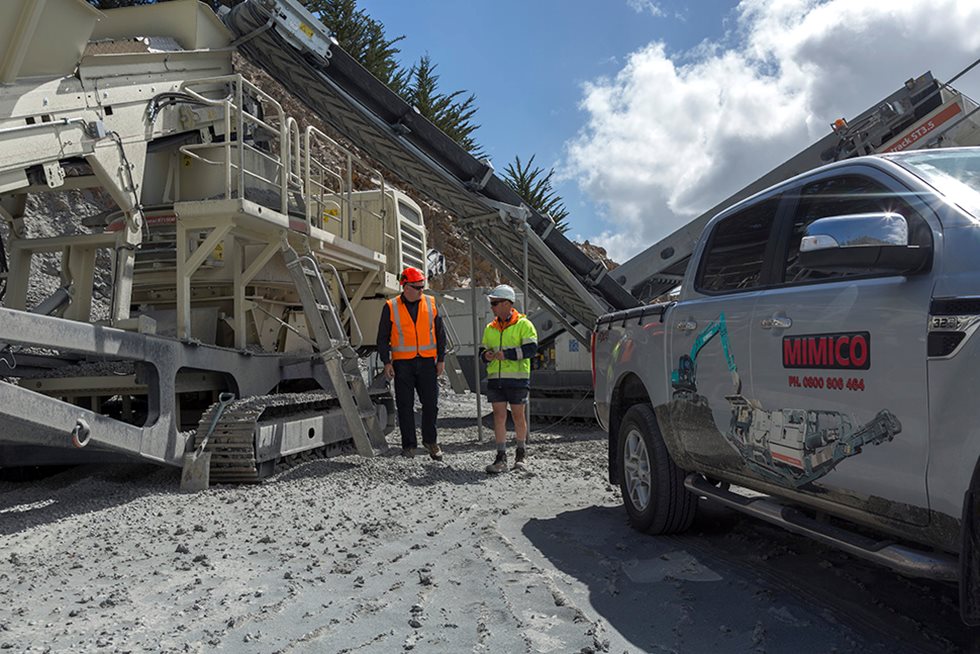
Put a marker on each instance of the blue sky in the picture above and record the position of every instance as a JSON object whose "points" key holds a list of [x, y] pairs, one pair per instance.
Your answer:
{"points": [[526, 62], [654, 111]]}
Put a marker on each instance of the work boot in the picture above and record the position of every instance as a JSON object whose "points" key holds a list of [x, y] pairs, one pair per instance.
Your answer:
{"points": [[520, 459], [408, 452], [435, 452], [499, 464]]}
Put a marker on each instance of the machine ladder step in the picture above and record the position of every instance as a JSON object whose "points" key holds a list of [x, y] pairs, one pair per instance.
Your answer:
{"points": [[339, 358], [457, 380]]}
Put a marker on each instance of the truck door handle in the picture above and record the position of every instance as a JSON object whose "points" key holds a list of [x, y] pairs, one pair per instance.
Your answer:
{"points": [[686, 326], [776, 322]]}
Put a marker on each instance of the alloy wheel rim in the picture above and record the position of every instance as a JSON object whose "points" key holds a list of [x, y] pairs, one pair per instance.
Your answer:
{"points": [[636, 461]]}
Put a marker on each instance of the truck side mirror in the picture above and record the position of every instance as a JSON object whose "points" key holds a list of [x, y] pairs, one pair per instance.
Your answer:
{"points": [[865, 242]]}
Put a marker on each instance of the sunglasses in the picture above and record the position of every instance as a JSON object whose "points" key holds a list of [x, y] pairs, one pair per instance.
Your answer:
{"points": [[494, 303], [417, 287]]}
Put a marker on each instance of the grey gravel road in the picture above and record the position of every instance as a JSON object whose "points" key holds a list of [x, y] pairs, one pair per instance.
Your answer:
{"points": [[390, 554]]}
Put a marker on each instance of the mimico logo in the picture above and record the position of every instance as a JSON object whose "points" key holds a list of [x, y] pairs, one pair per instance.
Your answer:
{"points": [[846, 351]]}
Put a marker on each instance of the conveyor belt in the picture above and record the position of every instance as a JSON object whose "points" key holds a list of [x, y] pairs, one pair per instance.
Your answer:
{"points": [[380, 123]]}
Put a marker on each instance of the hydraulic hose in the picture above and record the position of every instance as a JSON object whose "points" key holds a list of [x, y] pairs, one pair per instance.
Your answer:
{"points": [[4, 269]]}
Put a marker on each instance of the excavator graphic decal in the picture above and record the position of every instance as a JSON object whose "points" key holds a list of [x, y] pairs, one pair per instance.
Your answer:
{"points": [[788, 446]]}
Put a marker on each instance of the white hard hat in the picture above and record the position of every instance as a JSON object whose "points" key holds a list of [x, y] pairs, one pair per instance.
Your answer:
{"points": [[502, 292]]}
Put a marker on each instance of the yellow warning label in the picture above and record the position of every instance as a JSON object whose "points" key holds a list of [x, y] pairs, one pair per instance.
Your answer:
{"points": [[307, 30]]}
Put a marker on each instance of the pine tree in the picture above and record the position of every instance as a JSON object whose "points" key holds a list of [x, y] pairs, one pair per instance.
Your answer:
{"points": [[535, 187], [365, 40], [452, 113], [362, 37]]}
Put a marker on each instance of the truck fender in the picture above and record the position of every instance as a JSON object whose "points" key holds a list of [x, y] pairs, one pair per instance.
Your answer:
{"points": [[629, 390], [970, 553]]}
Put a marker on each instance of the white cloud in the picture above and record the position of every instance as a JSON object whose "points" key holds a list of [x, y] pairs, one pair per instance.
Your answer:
{"points": [[672, 134], [641, 6]]}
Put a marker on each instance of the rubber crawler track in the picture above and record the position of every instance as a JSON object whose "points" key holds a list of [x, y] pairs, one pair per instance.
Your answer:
{"points": [[232, 443]]}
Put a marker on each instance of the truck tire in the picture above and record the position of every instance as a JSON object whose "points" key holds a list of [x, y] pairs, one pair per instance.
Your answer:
{"points": [[970, 554], [652, 484]]}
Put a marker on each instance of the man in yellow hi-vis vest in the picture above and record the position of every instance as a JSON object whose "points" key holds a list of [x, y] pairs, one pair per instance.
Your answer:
{"points": [[510, 341], [412, 347]]}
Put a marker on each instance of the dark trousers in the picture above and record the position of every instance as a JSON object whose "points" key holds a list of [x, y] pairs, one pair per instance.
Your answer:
{"points": [[411, 376]]}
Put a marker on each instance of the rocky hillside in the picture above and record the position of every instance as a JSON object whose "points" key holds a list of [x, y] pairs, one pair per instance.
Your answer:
{"points": [[63, 213], [444, 235], [56, 214]]}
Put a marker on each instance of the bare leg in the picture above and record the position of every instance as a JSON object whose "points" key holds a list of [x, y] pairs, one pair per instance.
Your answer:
{"points": [[520, 423], [500, 422]]}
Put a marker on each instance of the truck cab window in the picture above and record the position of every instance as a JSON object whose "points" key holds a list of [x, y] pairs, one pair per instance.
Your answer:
{"points": [[840, 196], [733, 260]]}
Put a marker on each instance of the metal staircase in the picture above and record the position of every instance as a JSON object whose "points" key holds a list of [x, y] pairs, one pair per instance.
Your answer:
{"points": [[339, 357]]}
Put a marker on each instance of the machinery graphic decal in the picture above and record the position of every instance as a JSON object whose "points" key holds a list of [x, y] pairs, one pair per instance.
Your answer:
{"points": [[789, 446]]}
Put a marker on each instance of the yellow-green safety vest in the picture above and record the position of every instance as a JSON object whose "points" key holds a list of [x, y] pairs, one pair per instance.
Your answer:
{"points": [[519, 331]]}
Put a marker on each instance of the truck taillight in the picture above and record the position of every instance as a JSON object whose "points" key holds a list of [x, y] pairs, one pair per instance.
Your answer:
{"points": [[592, 352]]}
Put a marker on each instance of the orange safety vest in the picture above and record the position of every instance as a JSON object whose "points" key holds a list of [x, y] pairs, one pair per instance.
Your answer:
{"points": [[413, 339]]}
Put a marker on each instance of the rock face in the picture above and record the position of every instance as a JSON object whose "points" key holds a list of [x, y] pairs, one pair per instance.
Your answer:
{"points": [[598, 253], [56, 214], [443, 233]]}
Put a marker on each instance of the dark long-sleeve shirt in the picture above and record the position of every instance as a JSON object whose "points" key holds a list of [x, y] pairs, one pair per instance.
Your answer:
{"points": [[526, 351], [384, 331]]}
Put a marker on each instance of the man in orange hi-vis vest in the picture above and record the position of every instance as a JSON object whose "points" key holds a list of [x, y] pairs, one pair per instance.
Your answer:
{"points": [[412, 347]]}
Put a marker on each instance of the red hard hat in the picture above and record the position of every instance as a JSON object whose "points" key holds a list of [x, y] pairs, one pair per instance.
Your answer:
{"points": [[412, 275]]}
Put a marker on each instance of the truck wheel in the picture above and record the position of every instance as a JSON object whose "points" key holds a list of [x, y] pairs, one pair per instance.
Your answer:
{"points": [[970, 554], [653, 486]]}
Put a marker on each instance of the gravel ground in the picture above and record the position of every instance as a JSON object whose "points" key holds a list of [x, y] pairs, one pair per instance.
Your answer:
{"points": [[391, 554]]}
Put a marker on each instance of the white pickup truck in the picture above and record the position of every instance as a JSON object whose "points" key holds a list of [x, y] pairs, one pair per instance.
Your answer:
{"points": [[821, 353]]}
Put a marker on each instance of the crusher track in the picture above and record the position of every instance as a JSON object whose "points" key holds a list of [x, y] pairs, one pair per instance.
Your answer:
{"points": [[232, 442]]}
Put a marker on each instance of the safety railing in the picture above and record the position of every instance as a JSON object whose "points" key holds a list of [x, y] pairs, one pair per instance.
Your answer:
{"points": [[327, 190], [354, 326], [296, 175], [453, 340], [289, 165], [238, 121]]}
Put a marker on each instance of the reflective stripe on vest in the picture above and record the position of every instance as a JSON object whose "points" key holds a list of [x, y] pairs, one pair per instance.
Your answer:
{"points": [[413, 339], [513, 374]]}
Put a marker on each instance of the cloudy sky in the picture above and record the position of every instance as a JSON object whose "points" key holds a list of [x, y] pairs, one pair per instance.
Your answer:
{"points": [[651, 112]]}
